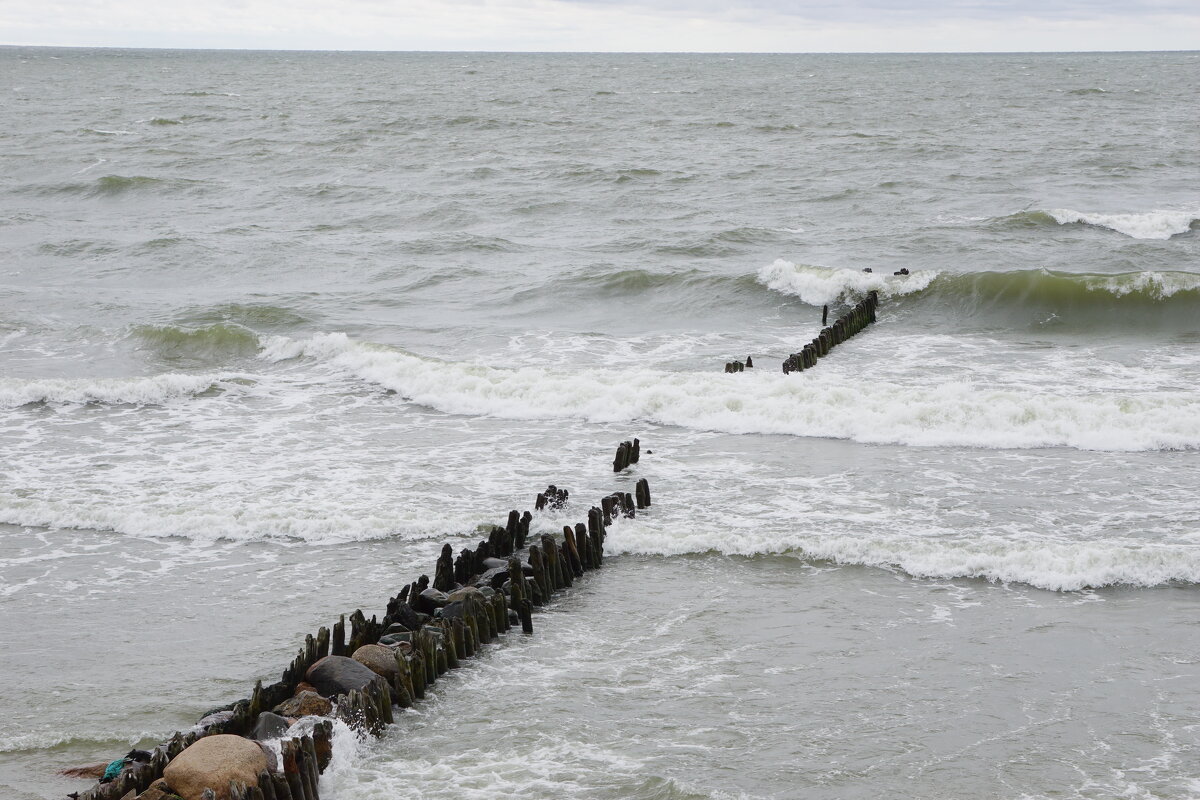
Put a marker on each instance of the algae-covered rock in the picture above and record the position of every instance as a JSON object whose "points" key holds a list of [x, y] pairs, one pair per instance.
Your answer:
{"points": [[303, 705]]}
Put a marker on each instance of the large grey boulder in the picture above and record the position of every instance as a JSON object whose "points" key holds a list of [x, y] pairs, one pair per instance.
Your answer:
{"points": [[334, 675], [269, 726]]}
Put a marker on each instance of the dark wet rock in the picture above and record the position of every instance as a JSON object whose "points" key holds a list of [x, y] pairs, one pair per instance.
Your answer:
{"points": [[214, 718], [399, 627], [393, 639], [303, 705], [494, 578], [430, 600], [452, 611], [269, 726], [402, 613], [334, 675], [140, 756]]}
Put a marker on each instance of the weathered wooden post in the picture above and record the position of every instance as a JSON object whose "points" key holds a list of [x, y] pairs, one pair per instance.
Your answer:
{"points": [[516, 590]]}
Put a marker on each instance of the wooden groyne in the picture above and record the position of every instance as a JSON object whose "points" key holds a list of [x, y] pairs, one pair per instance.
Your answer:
{"points": [[845, 326], [359, 673]]}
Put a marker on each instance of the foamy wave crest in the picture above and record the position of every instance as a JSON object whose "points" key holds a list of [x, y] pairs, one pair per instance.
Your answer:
{"points": [[1147, 225], [822, 285], [1053, 565], [829, 406], [141, 391]]}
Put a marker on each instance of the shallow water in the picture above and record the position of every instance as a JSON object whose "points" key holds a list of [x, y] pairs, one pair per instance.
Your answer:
{"points": [[274, 326]]}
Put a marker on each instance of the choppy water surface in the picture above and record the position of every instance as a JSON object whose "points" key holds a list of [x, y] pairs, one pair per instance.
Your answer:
{"points": [[273, 326]]}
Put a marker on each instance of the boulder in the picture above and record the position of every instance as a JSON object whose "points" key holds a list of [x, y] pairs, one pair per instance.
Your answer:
{"points": [[269, 726], [403, 645], [402, 614], [334, 675], [214, 718], [90, 771], [495, 563], [303, 705], [451, 611], [393, 639], [429, 600], [399, 627], [212, 762], [158, 791], [302, 687], [459, 595], [379, 659], [493, 578], [272, 759]]}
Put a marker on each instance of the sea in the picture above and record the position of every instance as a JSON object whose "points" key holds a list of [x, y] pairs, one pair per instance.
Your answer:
{"points": [[274, 326]]}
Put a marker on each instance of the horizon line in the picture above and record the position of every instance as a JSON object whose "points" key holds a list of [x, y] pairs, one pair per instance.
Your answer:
{"points": [[599, 52]]}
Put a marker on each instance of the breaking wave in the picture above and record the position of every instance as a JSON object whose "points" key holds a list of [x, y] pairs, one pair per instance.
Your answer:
{"points": [[219, 339], [154, 389], [828, 406], [1053, 565], [1016, 291], [1158, 224]]}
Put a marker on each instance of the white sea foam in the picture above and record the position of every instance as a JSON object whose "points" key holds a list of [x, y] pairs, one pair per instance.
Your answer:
{"points": [[16, 392], [1158, 224], [821, 285], [1045, 564], [1156, 284], [831, 405]]}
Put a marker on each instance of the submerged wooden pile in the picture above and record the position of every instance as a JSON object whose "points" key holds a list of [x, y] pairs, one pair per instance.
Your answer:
{"points": [[850, 323], [628, 453], [359, 675]]}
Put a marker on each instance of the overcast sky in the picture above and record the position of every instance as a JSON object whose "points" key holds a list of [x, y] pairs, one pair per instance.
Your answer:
{"points": [[622, 25]]}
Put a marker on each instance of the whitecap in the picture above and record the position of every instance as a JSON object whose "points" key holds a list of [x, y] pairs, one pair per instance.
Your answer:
{"points": [[1158, 224]]}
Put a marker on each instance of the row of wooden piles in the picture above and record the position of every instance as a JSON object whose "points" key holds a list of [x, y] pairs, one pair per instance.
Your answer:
{"points": [[850, 323], [303, 763], [430, 626], [739, 366], [628, 454]]}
